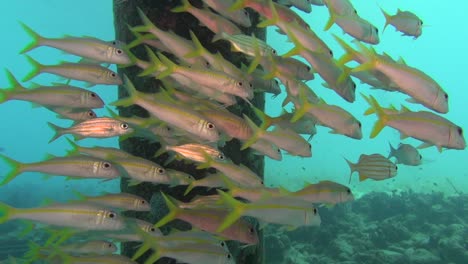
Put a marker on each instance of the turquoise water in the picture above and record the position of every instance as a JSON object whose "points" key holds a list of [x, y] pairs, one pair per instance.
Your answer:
{"points": [[439, 52]]}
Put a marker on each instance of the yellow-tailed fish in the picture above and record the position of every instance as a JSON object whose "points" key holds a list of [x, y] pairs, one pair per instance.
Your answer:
{"points": [[428, 127], [212, 21], [92, 247], [413, 82], [76, 114], [294, 68], [241, 17], [91, 73], [256, 78], [105, 153], [332, 116], [405, 154], [303, 126], [341, 7], [216, 80], [275, 210], [87, 47], [79, 166], [55, 96], [179, 178], [302, 5], [248, 45], [101, 127], [173, 114], [285, 139], [105, 259], [326, 192], [209, 220], [197, 152], [130, 234], [212, 180], [374, 166], [266, 148], [356, 27], [203, 201], [179, 46], [404, 21], [229, 123], [122, 201], [142, 170], [239, 174], [75, 215], [148, 39]]}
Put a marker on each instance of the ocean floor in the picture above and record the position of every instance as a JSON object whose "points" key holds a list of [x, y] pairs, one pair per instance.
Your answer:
{"points": [[379, 228]]}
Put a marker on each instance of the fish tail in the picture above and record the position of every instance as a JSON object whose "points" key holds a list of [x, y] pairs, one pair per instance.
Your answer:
{"points": [[190, 187], [36, 39], [368, 100], [257, 133], [387, 16], [79, 195], [14, 86], [185, 7], [34, 252], [174, 210], [6, 212], [234, 215], [392, 151], [199, 49], [350, 53], [146, 21], [209, 162], [131, 90], [36, 69], [155, 63], [74, 148], [267, 120], [170, 66], [304, 104], [382, 117], [16, 169], [239, 4], [352, 167], [59, 131], [274, 17], [330, 21]]}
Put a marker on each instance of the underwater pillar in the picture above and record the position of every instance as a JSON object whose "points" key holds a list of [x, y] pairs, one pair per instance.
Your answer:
{"points": [[125, 13]]}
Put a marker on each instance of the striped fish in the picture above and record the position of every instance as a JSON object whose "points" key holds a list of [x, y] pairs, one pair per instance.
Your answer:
{"points": [[374, 166], [101, 127], [197, 152], [247, 44]]}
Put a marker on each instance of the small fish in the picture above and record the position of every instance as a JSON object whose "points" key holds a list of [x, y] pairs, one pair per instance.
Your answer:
{"points": [[123, 201], [101, 127], [374, 166], [75, 215], [73, 166], [130, 234], [209, 220], [404, 21], [87, 47], [356, 27], [326, 192], [53, 96], [142, 170], [91, 73], [405, 154], [76, 114]]}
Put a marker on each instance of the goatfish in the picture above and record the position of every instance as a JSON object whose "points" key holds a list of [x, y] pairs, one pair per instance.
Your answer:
{"points": [[404, 21], [212, 21], [87, 47], [75, 215], [91, 73], [122, 201], [374, 166], [209, 220], [275, 210], [73, 166], [54, 96], [432, 129], [168, 111], [101, 127], [405, 154]]}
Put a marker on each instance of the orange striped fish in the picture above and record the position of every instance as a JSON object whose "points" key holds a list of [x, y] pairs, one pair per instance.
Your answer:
{"points": [[101, 127], [374, 166]]}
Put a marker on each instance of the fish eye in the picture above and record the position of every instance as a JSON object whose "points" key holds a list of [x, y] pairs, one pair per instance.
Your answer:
{"points": [[315, 211], [359, 124], [109, 245], [114, 42], [246, 13], [229, 256], [446, 96], [348, 191], [92, 94], [355, 11], [210, 126], [119, 51], [331, 53], [376, 30], [308, 68], [240, 83], [222, 243], [124, 126], [113, 74], [396, 167], [261, 182], [420, 157], [152, 229], [250, 85], [251, 230], [276, 81], [106, 165], [143, 202], [354, 85], [274, 52], [460, 131], [278, 150], [91, 114], [221, 156], [111, 215], [310, 146], [421, 22], [161, 170]]}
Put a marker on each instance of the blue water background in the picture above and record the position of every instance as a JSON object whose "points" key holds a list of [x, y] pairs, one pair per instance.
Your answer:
{"points": [[440, 52]]}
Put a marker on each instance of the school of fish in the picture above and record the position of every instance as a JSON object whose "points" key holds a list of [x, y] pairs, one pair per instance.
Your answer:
{"points": [[189, 117]]}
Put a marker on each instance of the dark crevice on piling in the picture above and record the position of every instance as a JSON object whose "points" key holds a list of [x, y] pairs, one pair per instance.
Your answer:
{"points": [[159, 12]]}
